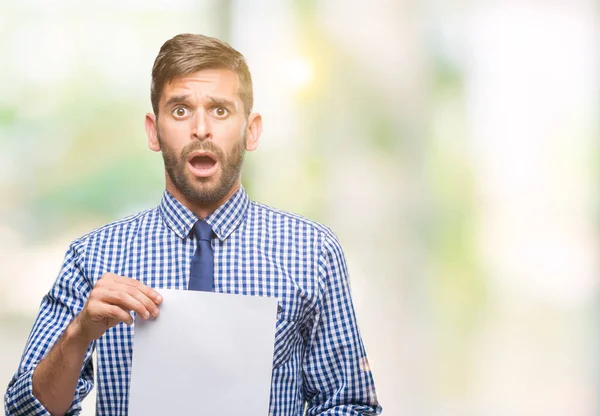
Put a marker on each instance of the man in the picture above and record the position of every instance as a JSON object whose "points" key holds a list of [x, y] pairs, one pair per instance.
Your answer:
{"points": [[202, 123]]}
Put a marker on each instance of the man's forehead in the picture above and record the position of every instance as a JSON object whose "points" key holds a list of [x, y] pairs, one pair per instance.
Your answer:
{"points": [[220, 83]]}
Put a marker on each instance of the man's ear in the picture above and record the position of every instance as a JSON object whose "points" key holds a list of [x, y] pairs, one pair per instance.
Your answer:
{"points": [[253, 131], [152, 132]]}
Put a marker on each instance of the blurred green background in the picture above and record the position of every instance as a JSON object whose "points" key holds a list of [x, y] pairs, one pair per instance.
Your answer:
{"points": [[453, 146]]}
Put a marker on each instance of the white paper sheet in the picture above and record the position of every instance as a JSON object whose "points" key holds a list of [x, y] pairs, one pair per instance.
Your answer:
{"points": [[205, 354]]}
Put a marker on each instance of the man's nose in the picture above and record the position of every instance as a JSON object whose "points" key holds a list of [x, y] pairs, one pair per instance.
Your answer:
{"points": [[201, 128]]}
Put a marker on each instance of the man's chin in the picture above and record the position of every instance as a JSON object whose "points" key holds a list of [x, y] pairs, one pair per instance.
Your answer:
{"points": [[206, 192]]}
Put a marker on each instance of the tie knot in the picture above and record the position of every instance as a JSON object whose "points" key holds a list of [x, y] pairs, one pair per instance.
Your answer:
{"points": [[202, 230]]}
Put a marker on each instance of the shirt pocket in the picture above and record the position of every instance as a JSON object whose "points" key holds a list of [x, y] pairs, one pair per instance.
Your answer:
{"points": [[287, 336]]}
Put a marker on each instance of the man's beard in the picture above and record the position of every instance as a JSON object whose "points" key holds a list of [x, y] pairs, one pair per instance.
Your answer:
{"points": [[197, 190]]}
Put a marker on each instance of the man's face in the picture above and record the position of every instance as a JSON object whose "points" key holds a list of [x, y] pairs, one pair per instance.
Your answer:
{"points": [[203, 133]]}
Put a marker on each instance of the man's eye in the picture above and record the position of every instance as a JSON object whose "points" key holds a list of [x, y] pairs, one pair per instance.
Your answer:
{"points": [[180, 112], [221, 112]]}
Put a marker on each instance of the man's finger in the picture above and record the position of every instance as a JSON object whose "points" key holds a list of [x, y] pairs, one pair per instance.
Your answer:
{"points": [[145, 300], [124, 300], [146, 290], [117, 313]]}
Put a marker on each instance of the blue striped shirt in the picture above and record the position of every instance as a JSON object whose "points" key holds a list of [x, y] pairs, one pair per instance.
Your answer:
{"points": [[319, 359]]}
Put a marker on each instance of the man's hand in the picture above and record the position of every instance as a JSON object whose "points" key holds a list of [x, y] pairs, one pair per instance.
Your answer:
{"points": [[110, 303], [113, 298]]}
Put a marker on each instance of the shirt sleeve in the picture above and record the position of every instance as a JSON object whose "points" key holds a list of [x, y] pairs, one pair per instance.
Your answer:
{"points": [[62, 303], [337, 377]]}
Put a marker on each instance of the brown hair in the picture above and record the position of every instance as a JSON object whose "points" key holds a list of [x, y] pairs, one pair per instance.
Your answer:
{"points": [[188, 53]]}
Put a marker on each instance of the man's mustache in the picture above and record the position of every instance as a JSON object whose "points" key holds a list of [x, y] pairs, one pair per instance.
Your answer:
{"points": [[203, 146]]}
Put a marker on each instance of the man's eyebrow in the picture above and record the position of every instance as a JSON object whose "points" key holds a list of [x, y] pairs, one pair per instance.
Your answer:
{"points": [[222, 101], [177, 99]]}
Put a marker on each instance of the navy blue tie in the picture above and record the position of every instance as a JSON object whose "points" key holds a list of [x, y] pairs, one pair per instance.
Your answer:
{"points": [[202, 266]]}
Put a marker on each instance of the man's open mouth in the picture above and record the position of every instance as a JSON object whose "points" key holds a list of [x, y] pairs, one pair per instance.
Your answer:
{"points": [[202, 164]]}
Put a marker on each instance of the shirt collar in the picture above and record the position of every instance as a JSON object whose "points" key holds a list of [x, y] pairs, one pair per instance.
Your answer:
{"points": [[224, 220]]}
